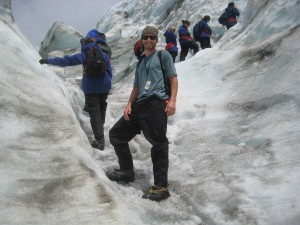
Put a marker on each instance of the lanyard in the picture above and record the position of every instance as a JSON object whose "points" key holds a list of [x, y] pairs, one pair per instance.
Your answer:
{"points": [[147, 69]]}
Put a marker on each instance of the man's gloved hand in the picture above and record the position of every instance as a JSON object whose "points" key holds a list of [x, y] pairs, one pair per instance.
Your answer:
{"points": [[43, 61]]}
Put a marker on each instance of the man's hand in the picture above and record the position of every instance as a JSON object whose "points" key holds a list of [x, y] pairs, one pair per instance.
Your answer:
{"points": [[127, 112], [170, 108]]}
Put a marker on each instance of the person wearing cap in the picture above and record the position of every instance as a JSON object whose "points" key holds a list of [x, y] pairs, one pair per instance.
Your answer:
{"points": [[186, 41], [147, 111], [171, 40], [232, 13]]}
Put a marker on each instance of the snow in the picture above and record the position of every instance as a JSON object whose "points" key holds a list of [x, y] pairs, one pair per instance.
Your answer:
{"points": [[234, 139]]}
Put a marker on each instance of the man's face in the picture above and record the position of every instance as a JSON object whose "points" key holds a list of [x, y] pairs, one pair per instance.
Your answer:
{"points": [[149, 41]]}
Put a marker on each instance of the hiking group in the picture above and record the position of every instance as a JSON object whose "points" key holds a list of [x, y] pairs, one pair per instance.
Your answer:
{"points": [[201, 33], [152, 98]]}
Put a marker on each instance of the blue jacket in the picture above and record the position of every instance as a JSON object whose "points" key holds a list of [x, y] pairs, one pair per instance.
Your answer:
{"points": [[203, 29], [90, 85], [173, 49], [95, 34], [232, 12], [184, 35], [170, 37]]}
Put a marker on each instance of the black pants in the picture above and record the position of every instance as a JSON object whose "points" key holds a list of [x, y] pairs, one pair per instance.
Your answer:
{"points": [[148, 116], [205, 42], [95, 105], [185, 49]]}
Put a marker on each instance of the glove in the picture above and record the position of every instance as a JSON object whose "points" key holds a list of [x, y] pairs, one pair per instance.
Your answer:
{"points": [[42, 61]]}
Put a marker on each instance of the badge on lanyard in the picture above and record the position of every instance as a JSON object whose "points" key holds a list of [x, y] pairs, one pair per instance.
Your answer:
{"points": [[148, 84]]}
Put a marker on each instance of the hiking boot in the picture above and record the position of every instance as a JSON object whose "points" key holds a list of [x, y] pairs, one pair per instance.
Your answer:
{"points": [[121, 175], [101, 144], [157, 193], [98, 144]]}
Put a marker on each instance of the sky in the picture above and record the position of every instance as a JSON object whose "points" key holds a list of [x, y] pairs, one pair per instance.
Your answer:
{"points": [[234, 139], [35, 17]]}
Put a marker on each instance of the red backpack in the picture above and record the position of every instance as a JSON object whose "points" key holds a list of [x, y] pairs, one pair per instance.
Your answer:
{"points": [[138, 49]]}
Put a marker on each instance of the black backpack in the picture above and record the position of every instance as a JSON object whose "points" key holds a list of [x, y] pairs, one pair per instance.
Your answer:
{"points": [[94, 64], [223, 18], [105, 48], [166, 79]]}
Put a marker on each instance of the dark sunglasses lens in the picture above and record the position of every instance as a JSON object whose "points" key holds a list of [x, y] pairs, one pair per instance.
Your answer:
{"points": [[147, 37]]}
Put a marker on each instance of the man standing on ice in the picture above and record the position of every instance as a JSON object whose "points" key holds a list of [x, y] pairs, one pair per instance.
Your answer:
{"points": [[147, 110]]}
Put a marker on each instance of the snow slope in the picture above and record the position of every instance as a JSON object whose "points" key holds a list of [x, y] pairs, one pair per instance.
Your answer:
{"points": [[234, 139]]}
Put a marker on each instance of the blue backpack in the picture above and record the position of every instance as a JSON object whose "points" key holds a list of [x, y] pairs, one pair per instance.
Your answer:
{"points": [[94, 64], [196, 33], [223, 18]]}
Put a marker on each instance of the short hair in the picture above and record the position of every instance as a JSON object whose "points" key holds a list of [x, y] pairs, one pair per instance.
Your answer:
{"points": [[206, 17], [172, 28], [186, 22], [231, 4]]}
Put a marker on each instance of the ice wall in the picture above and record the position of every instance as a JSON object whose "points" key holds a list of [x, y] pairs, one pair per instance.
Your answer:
{"points": [[60, 37], [47, 175]]}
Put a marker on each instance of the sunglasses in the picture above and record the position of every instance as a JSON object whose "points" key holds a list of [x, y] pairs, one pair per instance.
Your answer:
{"points": [[146, 37]]}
